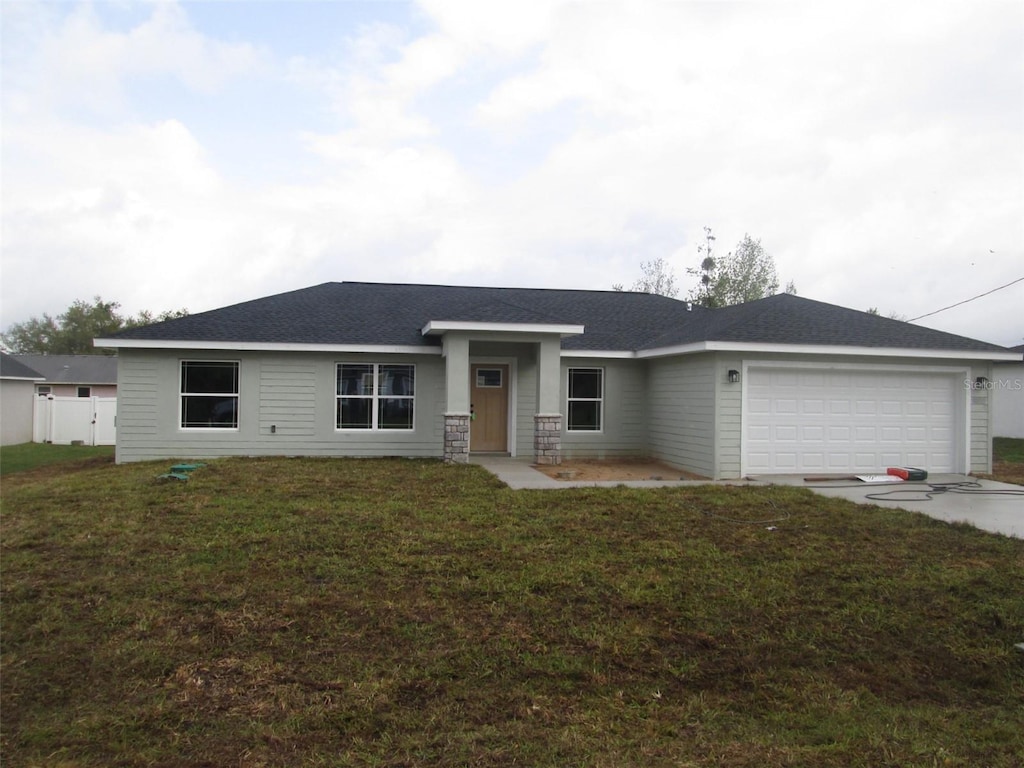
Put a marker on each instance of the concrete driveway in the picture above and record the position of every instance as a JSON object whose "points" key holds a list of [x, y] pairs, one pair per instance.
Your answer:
{"points": [[991, 506]]}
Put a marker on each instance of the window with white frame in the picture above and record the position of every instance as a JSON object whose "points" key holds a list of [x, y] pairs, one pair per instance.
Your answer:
{"points": [[209, 394], [375, 396], [586, 399]]}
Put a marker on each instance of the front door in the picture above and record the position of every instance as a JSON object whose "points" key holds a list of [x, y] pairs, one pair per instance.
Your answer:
{"points": [[488, 426]]}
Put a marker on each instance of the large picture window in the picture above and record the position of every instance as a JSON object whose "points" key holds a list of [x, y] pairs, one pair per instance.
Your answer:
{"points": [[586, 399], [209, 394], [375, 396]]}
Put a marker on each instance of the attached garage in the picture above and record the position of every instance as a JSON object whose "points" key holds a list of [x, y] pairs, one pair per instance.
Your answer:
{"points": [[799, 419]]}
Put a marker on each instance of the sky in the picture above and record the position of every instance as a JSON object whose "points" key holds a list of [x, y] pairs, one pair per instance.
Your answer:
{"points": [[196, 154]]}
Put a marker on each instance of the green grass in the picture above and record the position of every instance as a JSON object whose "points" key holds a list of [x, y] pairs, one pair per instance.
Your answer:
{"points": [[1008, 449], [28, 456], [292, 612], [1008, 460]]}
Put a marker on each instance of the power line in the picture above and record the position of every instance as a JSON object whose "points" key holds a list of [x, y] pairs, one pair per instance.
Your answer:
{"points": [[986, 293]]}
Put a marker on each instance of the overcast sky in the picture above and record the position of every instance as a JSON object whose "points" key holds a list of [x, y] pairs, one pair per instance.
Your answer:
{"points": [[199, 154]]}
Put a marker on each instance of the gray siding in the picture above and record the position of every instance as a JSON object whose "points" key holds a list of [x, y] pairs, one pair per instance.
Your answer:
{"points": [[623, 431], [981, 421], [681, 412], [293, 392], [729, 417]]}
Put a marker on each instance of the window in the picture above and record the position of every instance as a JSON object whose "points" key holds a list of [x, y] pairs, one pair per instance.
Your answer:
{"points": [[209, 395], [488, 378], [375, 396], [586, 399], [43, 390], [85, 392]]}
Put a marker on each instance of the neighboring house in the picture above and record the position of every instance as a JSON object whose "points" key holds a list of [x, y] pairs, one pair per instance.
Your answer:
{"points": [[74, 375], [779, 385], [17, 396], [1007, 388]]}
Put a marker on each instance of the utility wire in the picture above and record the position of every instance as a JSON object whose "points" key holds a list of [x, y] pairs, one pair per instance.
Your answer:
{"points": [[986, 293]]}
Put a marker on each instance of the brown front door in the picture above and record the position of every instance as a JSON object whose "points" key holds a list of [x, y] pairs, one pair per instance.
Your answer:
{"points": [[488, 392]]}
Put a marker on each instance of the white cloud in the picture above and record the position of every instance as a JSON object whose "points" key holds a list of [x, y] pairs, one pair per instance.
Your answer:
{"points": [[79, 62], [874, 149]]}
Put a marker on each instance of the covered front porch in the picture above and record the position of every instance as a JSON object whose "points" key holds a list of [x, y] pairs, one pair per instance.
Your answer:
{"points": [[502, 389]]}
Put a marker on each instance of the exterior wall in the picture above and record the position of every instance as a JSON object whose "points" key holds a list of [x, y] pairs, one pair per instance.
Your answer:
{"points": [[624, 416], [981, 420], [681, 412], [71, 390], [1007, 394], [16, 400], [286, 407]]}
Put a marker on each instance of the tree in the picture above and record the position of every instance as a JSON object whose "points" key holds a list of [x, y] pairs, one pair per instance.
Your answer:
{"points": [[894, 315], [72, 331], [656, 277], [745, 274], [708, 271]]}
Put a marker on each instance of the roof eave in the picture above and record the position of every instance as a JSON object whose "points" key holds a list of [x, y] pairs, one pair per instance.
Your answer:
{"points": [[823, 349], [440, 327], [267, 346]]}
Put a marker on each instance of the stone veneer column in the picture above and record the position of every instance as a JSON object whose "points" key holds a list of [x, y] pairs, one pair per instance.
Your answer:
{"points": [[547, 438], [456, 438]]}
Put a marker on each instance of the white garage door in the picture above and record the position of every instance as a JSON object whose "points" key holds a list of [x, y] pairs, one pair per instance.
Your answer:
{"points": [[838, 420]]}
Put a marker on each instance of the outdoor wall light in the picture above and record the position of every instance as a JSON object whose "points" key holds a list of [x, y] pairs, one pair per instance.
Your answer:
{"points": [[734, 376], [981, 382]]}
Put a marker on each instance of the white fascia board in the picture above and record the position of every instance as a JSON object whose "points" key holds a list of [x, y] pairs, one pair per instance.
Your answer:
{"points": [[435, 327], [820, 349], [262, 346], [23, 378], [618, 354]]}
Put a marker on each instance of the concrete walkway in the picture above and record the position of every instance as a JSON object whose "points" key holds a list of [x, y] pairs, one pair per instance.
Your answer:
{"points": [[991, 506], [518, 474]]}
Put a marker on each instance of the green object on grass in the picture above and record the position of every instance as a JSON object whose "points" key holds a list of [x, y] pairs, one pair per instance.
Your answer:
{"points": [[186, 467]]}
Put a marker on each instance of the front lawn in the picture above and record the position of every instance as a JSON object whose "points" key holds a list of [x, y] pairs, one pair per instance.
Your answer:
{"points": [[1008, 460], [28, 456], [290, 612]]}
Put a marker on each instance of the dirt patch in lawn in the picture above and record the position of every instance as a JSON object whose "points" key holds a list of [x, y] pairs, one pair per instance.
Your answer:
{"points": [[615, 469]]}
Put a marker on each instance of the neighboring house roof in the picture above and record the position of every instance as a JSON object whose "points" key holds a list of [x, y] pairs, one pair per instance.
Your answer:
{"points": [[73, 369], [10, 368], [383, 314]]}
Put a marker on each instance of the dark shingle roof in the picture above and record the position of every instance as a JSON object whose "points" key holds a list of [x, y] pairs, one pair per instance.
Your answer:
{"points": [[74, 369], [788, 319], [12, 368], [395, 314]]}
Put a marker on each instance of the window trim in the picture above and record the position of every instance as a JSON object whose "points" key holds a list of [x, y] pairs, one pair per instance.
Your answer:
{"points": [[599, 400], [374, 398], [236, 395]]}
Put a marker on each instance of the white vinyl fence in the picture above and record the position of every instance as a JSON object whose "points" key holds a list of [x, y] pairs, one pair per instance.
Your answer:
{"points": [[65, 420]]}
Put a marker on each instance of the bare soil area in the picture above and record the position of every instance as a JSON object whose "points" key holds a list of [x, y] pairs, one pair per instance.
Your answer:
{"points": [[615, 469]]}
